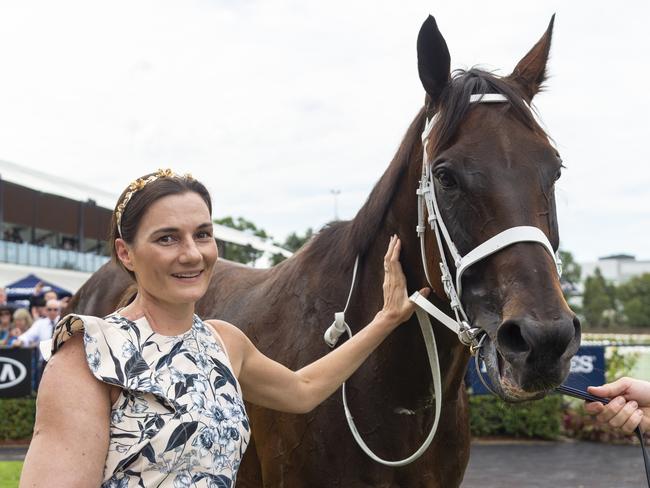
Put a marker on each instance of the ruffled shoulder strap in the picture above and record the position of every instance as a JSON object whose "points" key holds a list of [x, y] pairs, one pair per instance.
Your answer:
{"points": [[72, 324], [112, 350]]}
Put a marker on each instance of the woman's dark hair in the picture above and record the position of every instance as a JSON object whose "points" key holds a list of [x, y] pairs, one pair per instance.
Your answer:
{"points": [[142, 199]]}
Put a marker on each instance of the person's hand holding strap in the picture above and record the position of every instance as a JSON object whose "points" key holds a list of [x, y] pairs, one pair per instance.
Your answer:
{"points": [[629, 405]]}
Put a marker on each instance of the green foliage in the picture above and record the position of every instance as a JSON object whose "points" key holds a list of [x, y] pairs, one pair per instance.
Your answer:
{"points": [[634, 297], [293, 242], [571, 272], [599, 302], [490, 416], [235, 252], [17, 418], [619, 364]]}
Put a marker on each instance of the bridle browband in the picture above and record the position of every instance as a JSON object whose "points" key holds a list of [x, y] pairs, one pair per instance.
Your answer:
{"points": [[468, 335]]}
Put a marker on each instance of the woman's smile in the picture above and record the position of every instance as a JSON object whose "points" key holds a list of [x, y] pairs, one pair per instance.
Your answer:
{"points": [[189, 276]]}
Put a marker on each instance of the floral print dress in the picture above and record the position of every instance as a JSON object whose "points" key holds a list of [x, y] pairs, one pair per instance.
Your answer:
{"points": [[180, 419]]}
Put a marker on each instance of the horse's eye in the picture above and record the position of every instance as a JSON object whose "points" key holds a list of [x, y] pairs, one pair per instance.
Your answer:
{"points": [[445, 179]]}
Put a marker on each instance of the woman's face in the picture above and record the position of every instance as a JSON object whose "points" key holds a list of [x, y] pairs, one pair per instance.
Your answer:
{"points": [[174, 251], [20, 323]]}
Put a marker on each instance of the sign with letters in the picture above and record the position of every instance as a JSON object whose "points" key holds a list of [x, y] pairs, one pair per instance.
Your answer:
{"points": [[587, 369], [15, 372]]}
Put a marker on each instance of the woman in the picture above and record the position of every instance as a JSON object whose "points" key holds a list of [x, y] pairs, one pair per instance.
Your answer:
{"points": [[22, 319], [151, 395], [22, 322]]}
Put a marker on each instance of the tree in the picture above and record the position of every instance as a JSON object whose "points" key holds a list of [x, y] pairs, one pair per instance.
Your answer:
{"points": [[293, 242], [236, 252], [571, 274], [599, 301], [634, 296]]}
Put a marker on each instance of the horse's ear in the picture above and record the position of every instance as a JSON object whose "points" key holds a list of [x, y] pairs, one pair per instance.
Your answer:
{"points": [[433, 59], [530, 72]]}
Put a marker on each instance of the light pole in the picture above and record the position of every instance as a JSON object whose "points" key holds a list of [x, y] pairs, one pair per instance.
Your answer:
{"points": [[336, 194]]}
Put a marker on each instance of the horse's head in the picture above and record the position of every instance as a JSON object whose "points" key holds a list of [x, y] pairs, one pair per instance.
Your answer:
{"points": [[494, 168]]}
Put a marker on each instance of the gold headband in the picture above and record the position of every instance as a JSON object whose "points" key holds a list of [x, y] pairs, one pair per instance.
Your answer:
{"points": [[138, 185]]}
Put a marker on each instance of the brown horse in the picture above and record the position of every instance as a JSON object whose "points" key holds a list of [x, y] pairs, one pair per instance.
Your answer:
{"points": [[494, 168]]}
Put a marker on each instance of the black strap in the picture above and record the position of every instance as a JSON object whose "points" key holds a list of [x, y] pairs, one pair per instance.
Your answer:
{"points": [[583, 395], [646, 461]]}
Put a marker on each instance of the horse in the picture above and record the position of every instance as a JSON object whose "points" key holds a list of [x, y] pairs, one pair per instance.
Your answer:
{"points": [[493, 167]]}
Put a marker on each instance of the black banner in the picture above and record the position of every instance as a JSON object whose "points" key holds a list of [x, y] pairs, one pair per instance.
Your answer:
{"points": [[16, 372]]}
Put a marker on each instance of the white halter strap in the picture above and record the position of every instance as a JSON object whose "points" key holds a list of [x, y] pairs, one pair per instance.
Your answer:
{"points": [[467, 334]]}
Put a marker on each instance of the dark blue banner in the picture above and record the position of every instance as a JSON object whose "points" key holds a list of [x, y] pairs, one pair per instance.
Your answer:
{"points": [[587, 368], [16, 372]]}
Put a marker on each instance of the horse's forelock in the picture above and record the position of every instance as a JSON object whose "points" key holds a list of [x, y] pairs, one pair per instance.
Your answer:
{"points": [[455, 102]]}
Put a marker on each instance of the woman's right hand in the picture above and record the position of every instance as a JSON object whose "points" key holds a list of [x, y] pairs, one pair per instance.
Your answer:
{"points": [[397, 305], [629, 405]]}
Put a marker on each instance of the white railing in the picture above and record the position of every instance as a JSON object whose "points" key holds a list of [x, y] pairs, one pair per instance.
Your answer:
{"points": [[48, 257]]}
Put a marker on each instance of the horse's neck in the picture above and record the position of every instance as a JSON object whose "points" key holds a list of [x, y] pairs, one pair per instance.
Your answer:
{"points": [[401, 219]]}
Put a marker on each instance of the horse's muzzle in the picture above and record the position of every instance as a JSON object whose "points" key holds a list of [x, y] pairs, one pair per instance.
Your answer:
{"points": [[528, 358]]}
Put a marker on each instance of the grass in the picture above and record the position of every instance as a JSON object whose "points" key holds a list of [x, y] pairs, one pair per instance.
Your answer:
{"points": [[10, 473]]}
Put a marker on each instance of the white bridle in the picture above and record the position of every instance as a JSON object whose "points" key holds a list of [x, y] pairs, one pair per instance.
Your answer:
{"points": [[427, 200], [459, 324]]}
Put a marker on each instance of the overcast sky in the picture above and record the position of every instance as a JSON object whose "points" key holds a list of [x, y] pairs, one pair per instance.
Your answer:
{"points": [[275, 103]]}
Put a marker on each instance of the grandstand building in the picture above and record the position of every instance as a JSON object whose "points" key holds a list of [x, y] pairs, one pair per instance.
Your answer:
{"points": [[617, 268], [57, 228]]}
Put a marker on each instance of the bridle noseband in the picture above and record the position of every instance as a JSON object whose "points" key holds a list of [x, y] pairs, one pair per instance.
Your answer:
{"points": [[468, 335]]}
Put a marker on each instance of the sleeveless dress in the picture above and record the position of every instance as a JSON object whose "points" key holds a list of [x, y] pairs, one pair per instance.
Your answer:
{"points": [[180, 419]]}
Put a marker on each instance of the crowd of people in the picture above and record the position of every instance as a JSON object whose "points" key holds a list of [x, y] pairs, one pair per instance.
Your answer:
{"points": [[28, 326]]}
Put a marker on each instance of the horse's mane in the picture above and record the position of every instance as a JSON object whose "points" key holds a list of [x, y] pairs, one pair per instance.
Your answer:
{"points": [[344, 240]]}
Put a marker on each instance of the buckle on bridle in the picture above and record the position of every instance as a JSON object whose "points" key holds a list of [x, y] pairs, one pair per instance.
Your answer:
{"points": [[468, 334], [475, 346], [446, 279]]}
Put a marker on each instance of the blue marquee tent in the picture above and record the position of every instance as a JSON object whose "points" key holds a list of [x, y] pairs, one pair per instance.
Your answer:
{"points": [[22, 289]]}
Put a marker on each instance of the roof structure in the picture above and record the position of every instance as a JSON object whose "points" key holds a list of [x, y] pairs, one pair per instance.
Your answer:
{"points": [[57, 185], [228, 234]]}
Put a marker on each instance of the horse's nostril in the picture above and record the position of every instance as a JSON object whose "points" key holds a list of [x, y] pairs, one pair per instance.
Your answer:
{"points": [[510, 338], [576, 328]]}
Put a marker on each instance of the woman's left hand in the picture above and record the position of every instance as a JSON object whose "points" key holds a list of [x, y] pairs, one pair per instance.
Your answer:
{"points": [[397, 306]]}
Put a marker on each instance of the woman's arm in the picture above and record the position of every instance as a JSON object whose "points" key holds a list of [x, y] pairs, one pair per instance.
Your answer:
{"points": [[270, 384], [71, 433]]}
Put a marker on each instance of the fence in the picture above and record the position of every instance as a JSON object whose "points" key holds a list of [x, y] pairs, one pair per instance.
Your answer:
{"points": [[48, 257]]}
